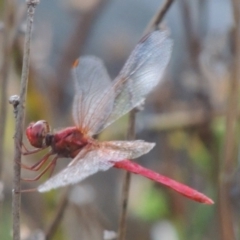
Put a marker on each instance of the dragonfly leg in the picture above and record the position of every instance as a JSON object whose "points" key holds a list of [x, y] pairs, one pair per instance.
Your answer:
{"points": [[25, 151], [38, 164], [50, 165], [26, 190], [54, 161]]}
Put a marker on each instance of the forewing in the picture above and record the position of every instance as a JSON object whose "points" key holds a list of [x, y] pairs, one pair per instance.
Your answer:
{"points": [[88, 162], [140, 74], [94, 95]]}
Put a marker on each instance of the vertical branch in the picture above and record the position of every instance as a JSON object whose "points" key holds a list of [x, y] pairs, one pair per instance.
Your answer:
{"points": [[126, 183], [230, 144], [154, 24], [191, 36], [157, 18], [203, 15], [31, 5]]}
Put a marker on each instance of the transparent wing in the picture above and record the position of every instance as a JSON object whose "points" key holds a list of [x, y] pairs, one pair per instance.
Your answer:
{"points": [[94, 96], [140, 74], [90, 161], [119, 150], [98, 103]]}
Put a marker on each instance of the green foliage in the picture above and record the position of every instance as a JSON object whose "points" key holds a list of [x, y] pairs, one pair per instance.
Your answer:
{"points": [[219, 128], [152, 204], [5, 226], [178, 139], [193, 146], [200, 219], [199, 153]]}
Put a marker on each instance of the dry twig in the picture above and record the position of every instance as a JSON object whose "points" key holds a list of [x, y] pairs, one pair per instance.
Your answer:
{"points": [[154, 24], [157, 18], [126, 183], [31, 5], [230, 144]]}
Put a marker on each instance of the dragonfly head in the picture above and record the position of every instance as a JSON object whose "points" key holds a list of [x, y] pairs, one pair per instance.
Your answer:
{"points": [[37, 132]]}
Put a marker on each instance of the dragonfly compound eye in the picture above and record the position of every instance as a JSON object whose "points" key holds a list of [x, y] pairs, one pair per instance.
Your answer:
{"points": [[37, 132]]}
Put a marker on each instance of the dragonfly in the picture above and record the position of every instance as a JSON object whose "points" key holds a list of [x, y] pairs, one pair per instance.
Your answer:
{"points": [[98, 102]]}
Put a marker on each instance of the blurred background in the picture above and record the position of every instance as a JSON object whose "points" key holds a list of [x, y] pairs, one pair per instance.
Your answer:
{"points": [[188, 116]]}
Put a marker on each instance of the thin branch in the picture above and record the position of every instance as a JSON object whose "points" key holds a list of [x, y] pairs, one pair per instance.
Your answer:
{"points": [[157, 18], [154, 24], [230, 144], [176, 120], [180, 119], [126, 183], [31, 5], [191, 37]]}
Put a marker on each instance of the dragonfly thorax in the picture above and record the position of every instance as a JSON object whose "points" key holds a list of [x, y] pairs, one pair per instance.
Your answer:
{"points": [[68, 141], [38, 134]]}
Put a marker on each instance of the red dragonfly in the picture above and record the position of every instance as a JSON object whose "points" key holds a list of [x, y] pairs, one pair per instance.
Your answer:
{"points": [[99, 102]]}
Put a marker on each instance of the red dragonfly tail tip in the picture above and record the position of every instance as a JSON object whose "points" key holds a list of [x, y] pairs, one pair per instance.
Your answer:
{"points": [[179, 187], [208, 201]]}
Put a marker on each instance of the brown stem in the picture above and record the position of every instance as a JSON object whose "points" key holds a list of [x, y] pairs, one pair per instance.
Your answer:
{"points": [[158, 17], [154, 24], [182, 119], [230, 143], [31, 4], [126, 183], [191, 37]]}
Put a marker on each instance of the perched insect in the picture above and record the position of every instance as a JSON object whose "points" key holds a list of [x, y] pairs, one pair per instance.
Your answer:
{"points": [[99, 102]]}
